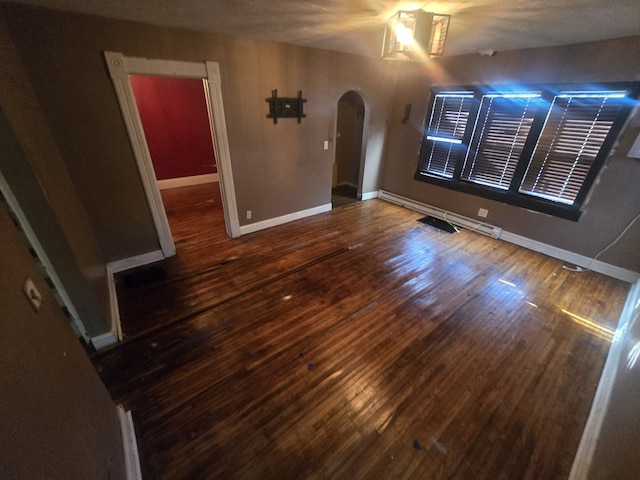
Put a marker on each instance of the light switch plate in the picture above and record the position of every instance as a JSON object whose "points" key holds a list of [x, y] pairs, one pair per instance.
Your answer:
{"points": [[32, 294]]}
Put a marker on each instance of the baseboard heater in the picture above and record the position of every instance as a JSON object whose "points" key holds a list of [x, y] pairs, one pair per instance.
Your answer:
{"points": [[453, 218]]}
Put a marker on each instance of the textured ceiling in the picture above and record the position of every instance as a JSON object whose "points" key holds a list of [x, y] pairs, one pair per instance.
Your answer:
{"points": [[356, 26]]}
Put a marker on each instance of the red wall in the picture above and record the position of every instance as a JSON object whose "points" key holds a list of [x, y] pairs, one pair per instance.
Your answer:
{"points": [[176, 123]]}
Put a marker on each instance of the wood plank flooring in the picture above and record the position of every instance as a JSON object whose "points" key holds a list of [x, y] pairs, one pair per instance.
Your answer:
{"points": [[357, 344]]}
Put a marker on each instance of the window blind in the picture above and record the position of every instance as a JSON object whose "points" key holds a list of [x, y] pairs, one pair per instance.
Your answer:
{"points": [[575, 129], [500, 132], [447, 124], [539, 147]]}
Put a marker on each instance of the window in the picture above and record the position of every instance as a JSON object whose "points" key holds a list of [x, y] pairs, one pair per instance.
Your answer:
{"points": [[540, 148], [449, 117]]}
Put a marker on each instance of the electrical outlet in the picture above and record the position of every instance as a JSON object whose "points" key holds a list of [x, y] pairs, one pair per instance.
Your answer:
{"points": [[248, 214], [483, 212], [326, 145], [32, 294]]}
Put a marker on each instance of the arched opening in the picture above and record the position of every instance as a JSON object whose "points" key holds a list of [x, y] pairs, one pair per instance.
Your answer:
{"points": [[346, 185]]}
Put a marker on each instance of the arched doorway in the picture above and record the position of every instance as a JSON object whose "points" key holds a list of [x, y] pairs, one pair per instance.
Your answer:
{"points": [[346, 186]]}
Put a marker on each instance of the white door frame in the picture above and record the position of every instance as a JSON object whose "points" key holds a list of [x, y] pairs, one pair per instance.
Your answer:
{"points": [[120, 67], [365, 134]]}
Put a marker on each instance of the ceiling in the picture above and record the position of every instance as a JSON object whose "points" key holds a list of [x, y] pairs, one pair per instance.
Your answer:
{"points": [[356, 26]]}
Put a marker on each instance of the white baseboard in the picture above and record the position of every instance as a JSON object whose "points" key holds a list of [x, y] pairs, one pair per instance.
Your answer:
{"points": [[454, 218], [129, 445], [623, 338], [115, 335], [104, 340], [369, 195], [187, 181], [496, 232], [272, 222], [136, 261], [571, 257]]}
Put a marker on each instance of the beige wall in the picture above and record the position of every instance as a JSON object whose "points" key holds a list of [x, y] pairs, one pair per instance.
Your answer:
{"points": [[615, 454], [37, 176], [278, 169], [615, 200], [58, 420]]}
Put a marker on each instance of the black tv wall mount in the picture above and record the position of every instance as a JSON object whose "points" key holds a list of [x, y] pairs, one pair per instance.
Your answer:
{"points": [[285, 107]]}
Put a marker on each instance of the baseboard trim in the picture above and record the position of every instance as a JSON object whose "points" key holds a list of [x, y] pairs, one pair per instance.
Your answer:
{"points": [[187, 181], [369, 195], [273, 222], [115, 334], [572, 257], [129, 445], [135, 261], [584, 456], [104, 340], [496, 232], [454, 218]]}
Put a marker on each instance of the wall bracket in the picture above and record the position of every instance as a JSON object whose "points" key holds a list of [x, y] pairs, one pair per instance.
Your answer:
{"points": [[285, 107]]}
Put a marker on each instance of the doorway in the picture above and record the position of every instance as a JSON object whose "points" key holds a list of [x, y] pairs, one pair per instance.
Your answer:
{"points": [[175, 119], [120, 69], [346, 184]]}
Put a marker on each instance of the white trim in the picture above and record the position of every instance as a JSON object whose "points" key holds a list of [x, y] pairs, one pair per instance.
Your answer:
{"points": [[369, 195], [12, 201], [129, 445], [115, 335], [571, 257], [187, 181], [119, 70], [272, 222], [164, 68], [114, 310], [496, 232], [584, 456], [221, 149], [466, 222], [134, 262], [120, 67], [104, 340]]}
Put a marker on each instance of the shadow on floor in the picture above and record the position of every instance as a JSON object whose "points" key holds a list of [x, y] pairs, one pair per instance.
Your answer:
{"points": [[343, 195]]}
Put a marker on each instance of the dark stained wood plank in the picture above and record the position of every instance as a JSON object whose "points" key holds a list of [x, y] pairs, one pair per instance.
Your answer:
{"points": [[324, 348]]}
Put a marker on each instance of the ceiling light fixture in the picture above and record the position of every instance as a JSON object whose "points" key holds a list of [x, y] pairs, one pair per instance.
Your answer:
{"points": [[415, 35]]}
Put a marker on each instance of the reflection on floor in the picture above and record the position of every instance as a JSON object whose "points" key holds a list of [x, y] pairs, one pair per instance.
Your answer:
{"points": [[343, 195], [357, 344]]}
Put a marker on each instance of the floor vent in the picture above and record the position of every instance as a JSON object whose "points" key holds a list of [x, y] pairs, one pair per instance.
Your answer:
{"points": [[439, 224], [452, 218]]}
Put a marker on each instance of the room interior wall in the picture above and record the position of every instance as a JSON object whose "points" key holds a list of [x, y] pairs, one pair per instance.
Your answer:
{"points": [[613, 429], [278, 169], [37, 175], [614, 200], [176, 124], [25, 188], [58, 420]]}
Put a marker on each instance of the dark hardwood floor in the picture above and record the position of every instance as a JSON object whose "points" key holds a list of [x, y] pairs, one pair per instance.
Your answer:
{"points": [[358, 343]]}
